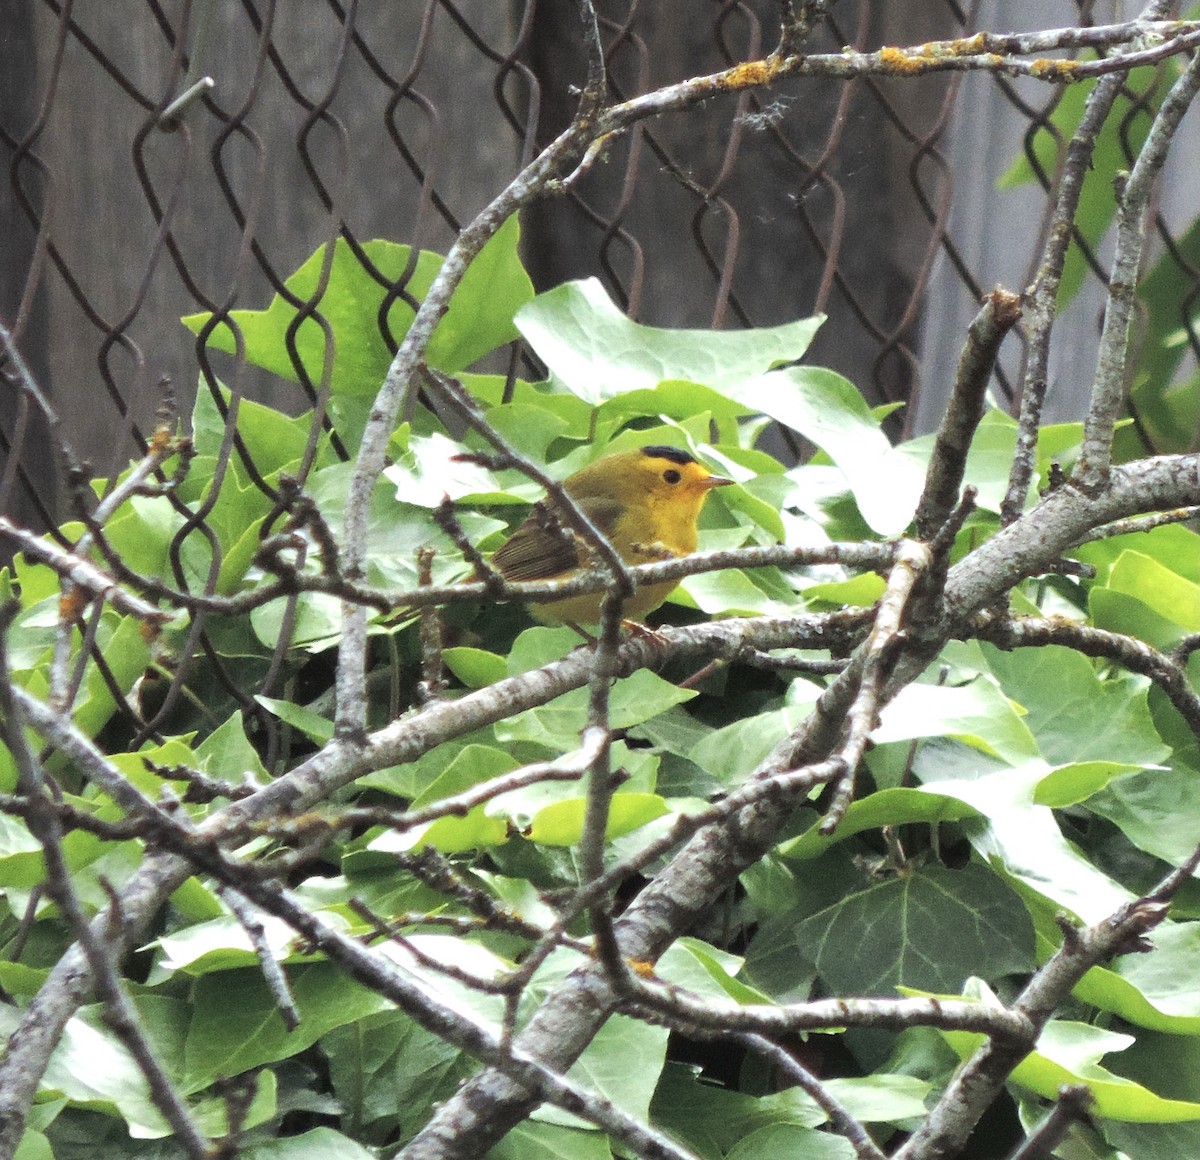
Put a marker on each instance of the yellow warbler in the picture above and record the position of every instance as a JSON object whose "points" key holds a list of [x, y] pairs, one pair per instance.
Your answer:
{"points": [[646, 502]]}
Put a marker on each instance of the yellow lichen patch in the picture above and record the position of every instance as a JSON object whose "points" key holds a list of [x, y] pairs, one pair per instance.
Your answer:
{"points": [[940, 49], [748, 74], [898, 60], [1053, 70]]}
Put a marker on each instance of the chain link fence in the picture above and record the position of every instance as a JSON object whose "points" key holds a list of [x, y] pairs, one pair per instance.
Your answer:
{"points": [[135, 193]]}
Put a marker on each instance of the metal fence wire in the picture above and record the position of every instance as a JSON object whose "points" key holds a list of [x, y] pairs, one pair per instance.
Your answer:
{"points": [[872, 201]]}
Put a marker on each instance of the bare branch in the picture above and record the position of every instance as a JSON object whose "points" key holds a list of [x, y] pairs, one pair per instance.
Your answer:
{"points": [[977, 1083], [1071, 1107], [999, 315], [78, 572], [1108, 392], [878, 654]]}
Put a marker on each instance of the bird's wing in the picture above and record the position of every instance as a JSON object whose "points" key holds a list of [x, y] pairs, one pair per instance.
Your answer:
{"points": [[533, 552]]}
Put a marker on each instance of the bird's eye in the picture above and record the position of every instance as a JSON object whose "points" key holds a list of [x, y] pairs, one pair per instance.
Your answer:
{"points": [[671, 475]]}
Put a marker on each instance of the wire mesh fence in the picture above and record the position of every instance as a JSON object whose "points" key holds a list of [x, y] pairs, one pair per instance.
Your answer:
{"points": [[871, 200]]}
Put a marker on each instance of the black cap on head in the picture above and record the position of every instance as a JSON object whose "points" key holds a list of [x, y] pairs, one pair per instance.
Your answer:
{"points": [[674, 454]]}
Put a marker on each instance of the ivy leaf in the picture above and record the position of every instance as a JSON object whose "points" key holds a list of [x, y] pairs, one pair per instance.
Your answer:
{"points": [[1070, 1053], [479, 318], [599, 354], [829, 410], [930, 928], [317, 1144], [978, 714], [1073, 714], [236, 1025]]}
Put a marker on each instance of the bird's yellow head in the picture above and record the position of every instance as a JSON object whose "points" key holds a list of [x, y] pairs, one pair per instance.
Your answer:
{"points": [[659, 489]]}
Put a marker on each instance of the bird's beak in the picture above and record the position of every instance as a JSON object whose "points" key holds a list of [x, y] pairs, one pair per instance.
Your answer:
{"points": [[716, 481]]}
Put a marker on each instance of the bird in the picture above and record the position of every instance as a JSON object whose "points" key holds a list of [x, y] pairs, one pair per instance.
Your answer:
{"points": [[647, 502]]}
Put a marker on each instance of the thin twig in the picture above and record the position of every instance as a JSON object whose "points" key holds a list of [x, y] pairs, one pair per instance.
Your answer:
{"points": [[840, 1118], [1071, 1107], [1108, 393], [1141, 524], [1041, 299], [912, 560], [272, 972]]}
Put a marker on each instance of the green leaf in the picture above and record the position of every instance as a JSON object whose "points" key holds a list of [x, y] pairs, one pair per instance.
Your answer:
{"points": [[475, 830], [273, 441], [533, 1140], [978, 714], [1172, 545], [478, 828], [1152, 1141], [226, 753], [707, 971], [35, 1146], [388, 1072], [545, 397], [1164, 591], [220, 944], [730, 592], [126, 652], [879, 1099], [622, 1063], [317, 1144], [21, 862], [828, 409], [481, 312], [929, 928], [316, 623], [790, 1140], [989, 459], [396, 531], [236, 1024], [475, 667], [479, 317], [598, 353], [469, 767], [675, 398], [93, 1069], [1118, 612], [1069, 1053], [561, 824], [1076, 782], [1155, 990], [1084, 718], [1167, 409], [432, 469], [312, 725], [885, 807], [212, 1114], [861, 591], [1024, 839], [1155, 810], [558, 723], [716, 1122], [732, 753]]}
